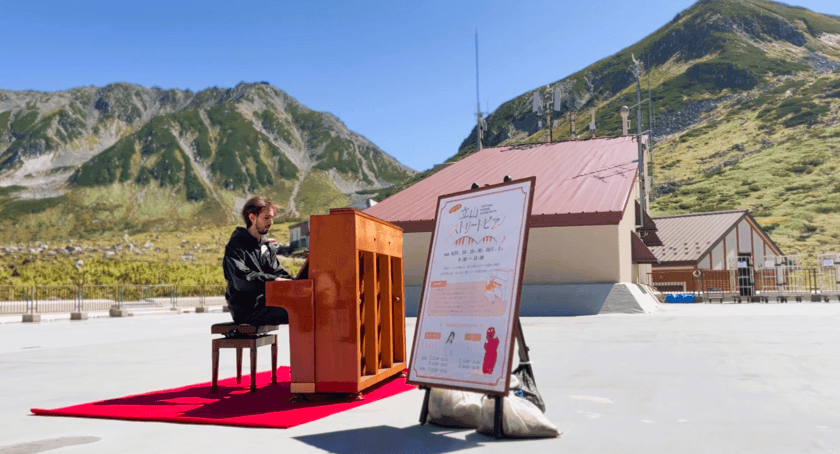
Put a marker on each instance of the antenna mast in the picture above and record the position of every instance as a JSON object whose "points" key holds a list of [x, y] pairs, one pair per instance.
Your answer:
{"points": [[479, 119]]}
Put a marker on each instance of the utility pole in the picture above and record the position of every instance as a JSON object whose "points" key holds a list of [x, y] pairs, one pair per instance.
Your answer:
{"points": [[479, 125], [642, 171], [649, 179]]}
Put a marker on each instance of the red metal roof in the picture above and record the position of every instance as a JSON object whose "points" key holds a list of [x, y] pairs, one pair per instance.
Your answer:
{"points": [[640, 252], [687, 237], [586, 182]]}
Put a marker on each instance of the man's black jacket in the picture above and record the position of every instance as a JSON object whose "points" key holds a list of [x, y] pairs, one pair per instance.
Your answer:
{"points": [[248, 264]]}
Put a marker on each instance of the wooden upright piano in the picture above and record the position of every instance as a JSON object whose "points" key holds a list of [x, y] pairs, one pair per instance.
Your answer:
{"points": [[346, 309]]}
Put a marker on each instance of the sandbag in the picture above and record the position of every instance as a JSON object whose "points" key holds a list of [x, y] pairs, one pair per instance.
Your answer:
{"points": [[451, 408], [521, 419]]}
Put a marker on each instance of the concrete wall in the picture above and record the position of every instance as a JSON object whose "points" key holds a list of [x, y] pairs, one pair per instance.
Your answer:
{"points": [[547, 300]]}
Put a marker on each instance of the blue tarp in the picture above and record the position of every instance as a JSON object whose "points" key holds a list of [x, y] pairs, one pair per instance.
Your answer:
{"points": [[679, 298]]}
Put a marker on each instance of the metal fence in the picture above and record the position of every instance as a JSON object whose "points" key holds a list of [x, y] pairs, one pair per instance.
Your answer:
{"points": [[72, 298], [829, 273], [778, 278]]}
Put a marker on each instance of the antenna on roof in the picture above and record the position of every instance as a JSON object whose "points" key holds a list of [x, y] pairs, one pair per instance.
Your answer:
{"points": [[558, 100], [542, 105], [625, 122], [572, 114], [481, 125]]}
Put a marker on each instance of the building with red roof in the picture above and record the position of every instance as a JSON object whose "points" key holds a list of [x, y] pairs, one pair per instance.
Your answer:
{"points": [[583, 239], [714, 241]]}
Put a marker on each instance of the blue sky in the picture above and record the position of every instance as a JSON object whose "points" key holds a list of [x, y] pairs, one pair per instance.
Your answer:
{"points": [[401, 74]]}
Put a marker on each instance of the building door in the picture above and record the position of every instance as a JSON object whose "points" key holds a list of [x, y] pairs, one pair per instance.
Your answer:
{"points": [[746, 283]]}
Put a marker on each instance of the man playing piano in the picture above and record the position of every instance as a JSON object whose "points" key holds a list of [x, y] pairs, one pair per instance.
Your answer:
{"points": [[250, 261]]}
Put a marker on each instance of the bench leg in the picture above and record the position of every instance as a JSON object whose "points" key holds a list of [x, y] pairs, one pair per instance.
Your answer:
{"points": [[274, 361], [238, 365], [253, 366], [215, 387]]}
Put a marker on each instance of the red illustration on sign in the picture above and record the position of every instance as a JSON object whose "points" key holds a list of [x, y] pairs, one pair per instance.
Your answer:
{"points": [[490, 351]]}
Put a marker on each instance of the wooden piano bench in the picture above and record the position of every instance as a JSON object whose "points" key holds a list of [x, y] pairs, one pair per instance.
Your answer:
{"points": [[243, 336]]}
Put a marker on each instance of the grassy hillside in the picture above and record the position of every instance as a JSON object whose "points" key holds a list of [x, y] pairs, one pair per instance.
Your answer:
{"points": [[776, 153], [190, 257], [746, 115]]}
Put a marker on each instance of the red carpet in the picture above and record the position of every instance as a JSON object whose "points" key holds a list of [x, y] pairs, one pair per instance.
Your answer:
{"points": [[233, 405]]}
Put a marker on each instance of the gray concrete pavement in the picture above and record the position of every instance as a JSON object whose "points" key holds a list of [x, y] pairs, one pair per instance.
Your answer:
{"points": [[691, 378]]}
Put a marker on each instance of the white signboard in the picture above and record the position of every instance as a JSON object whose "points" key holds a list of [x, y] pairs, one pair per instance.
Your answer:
{"points": [[828, 262], [470, 297]]}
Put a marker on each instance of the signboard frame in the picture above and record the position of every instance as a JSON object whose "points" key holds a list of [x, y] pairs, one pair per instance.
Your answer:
{"points": [[512, 323]]}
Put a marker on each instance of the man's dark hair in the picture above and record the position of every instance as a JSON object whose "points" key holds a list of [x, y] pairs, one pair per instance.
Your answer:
{"points": [[254, 206]]}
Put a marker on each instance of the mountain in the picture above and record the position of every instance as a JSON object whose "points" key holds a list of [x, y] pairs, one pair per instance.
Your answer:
{"points": [[128, 158], [746, 115]]}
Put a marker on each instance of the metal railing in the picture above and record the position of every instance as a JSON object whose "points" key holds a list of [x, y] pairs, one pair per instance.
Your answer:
{"points": [[783, 282], [71, 298]]}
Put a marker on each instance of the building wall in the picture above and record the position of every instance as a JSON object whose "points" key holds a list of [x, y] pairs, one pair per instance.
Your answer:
{"points": [[758, 247], [743, 239], [717, 257], [642, 273], [731, 248], [575, 255], [555, 255], [625, 227], [415, 254]]}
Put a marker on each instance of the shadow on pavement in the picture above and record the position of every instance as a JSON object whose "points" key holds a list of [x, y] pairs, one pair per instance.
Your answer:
{"points": [[387, 439]]}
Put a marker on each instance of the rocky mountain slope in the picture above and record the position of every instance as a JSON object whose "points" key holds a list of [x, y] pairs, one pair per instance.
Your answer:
{"points": [[746, 115], [129, 158]]}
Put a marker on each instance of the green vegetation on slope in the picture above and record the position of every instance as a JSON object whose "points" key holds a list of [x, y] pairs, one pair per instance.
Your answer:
{"points": [[776, 153], [133, 263]]}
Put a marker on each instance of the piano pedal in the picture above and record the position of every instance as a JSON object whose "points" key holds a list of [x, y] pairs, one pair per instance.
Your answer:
{"points": [[360, 396]]}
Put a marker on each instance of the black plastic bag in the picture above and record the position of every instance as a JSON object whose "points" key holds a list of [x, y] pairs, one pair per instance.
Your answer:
{"points": [[527, 387]]}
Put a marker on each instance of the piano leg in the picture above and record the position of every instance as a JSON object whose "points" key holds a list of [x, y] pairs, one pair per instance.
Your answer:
{"points": [[253, 368], [238, 365], [274, 361], [215, 387]]}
